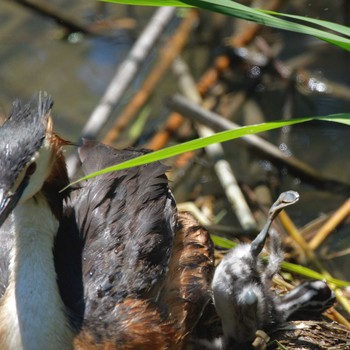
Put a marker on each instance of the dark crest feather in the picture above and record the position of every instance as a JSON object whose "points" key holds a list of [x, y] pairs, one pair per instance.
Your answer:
{"points": [[22, 135]]}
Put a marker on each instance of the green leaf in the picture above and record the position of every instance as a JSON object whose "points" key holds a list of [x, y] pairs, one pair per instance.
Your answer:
{"points": [[326, 24], [150, 2], [305, 271], [278, 344], [222, 242], [301, 270], [234, 9], [194, 145], [206, 141], [268, 18]]}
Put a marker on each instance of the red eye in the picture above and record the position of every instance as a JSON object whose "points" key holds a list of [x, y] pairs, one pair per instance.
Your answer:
{"points": [[31, 169]]}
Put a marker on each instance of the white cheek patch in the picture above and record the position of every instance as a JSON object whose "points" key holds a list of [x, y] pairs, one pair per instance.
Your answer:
{"points": [[43, 159], [21, 176]]}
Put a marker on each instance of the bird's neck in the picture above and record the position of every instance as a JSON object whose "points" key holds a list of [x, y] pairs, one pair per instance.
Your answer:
{"points": [[32, 308]]}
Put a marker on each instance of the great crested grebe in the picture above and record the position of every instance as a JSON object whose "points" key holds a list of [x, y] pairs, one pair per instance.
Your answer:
{"points": [[109, 264]]}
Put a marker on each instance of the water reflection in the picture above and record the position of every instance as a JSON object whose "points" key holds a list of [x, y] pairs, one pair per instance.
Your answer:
{"points": [[104, 55]]}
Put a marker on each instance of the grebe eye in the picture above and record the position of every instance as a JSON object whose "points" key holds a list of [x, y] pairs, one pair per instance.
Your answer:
{"points": [[31, 169]]}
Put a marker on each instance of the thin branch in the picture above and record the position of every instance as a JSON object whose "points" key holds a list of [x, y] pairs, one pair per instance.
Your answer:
{"points": [[299, 239], [215, 121], [330, 225], [167, 55], [125, 74], [222, 168]]}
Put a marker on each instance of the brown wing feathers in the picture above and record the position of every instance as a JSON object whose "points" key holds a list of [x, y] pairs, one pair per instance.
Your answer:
{"points": [[167, 323], [187, 286], [146, 269]]}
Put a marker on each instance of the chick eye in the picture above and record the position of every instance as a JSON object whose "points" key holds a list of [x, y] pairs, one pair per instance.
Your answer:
{"points": [[31, 169]]}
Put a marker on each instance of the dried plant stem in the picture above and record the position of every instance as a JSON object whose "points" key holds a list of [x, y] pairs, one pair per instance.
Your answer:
{"points": [[124, 76], [330, 225], [45, 9], [299, 239], [167, 55]]}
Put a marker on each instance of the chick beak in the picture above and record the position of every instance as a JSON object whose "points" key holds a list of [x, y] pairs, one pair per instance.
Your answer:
{"points": [[8, 200]]}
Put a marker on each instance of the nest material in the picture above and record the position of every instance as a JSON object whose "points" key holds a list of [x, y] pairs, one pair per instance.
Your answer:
{"points": [[293, 335], [312, 335]]}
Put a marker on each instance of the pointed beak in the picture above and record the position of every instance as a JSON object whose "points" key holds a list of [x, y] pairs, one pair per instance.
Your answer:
{"points": [[8, 201]]}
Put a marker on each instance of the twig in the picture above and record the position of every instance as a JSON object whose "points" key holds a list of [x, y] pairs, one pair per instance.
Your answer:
{"points": [[229, 183], [162, 137], [309, 230], [219, 66], [123, 77], [246, 31], [302, 77], [299, 239], [330, 225], [222, 168], [168, 53]]}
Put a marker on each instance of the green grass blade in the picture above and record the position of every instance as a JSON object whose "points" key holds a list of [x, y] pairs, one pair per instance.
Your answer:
{"points": [[278, 344], [222, 242], [268, 18], [234, 9], [342, 118], [206, 141], [195, 145], [339, 28], [301, 270], [305, 271]]}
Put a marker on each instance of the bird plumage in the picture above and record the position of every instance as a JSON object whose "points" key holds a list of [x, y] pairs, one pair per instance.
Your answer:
{"points": [[30, 129], [242, 290], [132, 272]]}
